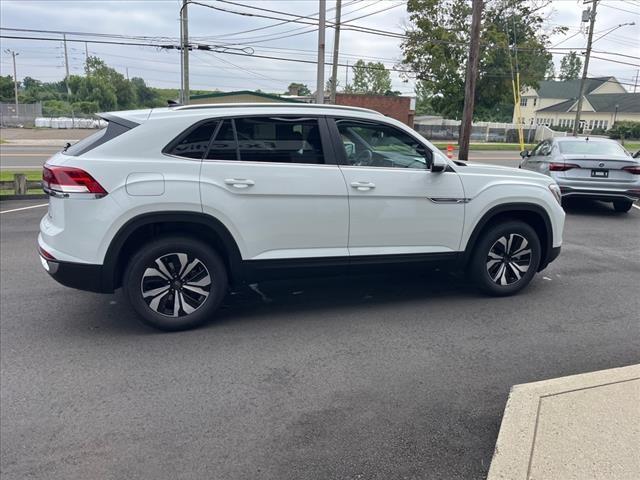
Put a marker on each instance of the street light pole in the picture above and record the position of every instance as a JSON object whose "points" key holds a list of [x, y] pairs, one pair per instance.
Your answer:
{"points": [[336, 49], [15, 77]]}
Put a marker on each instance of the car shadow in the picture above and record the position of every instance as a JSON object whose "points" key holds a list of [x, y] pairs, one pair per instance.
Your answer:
{"points": [[588, 207]]}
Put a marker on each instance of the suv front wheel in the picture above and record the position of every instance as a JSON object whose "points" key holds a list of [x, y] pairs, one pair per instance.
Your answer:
{"points": [[175, 283], [506, 258]]}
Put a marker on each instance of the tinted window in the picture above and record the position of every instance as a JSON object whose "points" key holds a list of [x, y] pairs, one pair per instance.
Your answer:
{"points": [[224, 145], [378, 145], [295, 140], [194, 143], [112, 131], [592, 148]]}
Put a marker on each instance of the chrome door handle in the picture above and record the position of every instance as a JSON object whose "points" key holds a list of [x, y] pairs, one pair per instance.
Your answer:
{"points": [[239, 182], [363, 186]]}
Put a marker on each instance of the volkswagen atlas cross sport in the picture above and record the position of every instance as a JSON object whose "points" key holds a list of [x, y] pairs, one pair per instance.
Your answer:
{"points": [[174, 205], [596, 168]]}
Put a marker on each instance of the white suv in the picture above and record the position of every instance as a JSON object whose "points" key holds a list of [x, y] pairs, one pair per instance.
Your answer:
{"points": [[174, 204]]}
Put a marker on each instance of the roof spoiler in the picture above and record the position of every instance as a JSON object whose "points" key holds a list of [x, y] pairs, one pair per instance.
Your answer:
{"points": [[173, 103]]}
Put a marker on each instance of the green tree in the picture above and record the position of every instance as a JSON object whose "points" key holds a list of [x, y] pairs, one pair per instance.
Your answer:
{"points": [[6, 89], [145, 96], [570, 66], [437, 48], [370, 77], [423, 99], [302, 88]]}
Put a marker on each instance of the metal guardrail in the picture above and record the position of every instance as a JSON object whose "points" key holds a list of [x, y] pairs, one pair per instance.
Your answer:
{"points": [[20, 185]]}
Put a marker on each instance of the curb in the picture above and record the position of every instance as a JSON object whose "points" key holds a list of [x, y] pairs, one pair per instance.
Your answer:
{"points": [[39, 196]]}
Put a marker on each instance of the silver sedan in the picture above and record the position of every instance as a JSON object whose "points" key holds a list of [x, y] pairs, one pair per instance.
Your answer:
{"points": [[585, 167]]}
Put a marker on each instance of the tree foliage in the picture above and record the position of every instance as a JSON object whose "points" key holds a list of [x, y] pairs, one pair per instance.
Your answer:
{"points": [[437, 48], [6, 89], [372, 78], [302, 88], [570, 66]]}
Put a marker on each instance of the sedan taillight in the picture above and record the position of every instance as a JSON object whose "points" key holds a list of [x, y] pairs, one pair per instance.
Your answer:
{"points": [[562, 167], [635, 169], [70, 180]]}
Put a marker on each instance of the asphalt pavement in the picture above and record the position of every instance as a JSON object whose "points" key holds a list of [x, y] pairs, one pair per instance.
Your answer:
{"points": [[14, 157], [383, 377]]}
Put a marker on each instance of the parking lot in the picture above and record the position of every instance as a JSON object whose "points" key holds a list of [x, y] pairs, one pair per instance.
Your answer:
{"points": [[385, 377]]}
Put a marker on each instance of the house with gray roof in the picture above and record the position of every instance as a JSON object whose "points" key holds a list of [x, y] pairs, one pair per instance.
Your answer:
{"points": [[554, 104]]}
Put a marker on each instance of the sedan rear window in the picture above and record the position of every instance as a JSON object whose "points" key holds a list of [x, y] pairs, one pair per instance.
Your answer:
{"points": [[592, 148]]}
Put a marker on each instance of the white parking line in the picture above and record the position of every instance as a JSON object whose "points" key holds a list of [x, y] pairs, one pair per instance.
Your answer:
{"points": [[24, 208], [636, 206]]}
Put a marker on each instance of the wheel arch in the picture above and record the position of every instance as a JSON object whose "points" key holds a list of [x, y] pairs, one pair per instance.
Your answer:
{"points": [[532, 214], [136, 231]]}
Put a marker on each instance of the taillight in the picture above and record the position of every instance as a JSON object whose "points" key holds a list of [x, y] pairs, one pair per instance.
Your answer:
{"points": [[562, 167], [70, 180], [635, 169]]}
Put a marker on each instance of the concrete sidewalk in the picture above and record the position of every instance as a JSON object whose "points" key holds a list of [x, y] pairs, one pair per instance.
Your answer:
{"points": [[579, 427]]}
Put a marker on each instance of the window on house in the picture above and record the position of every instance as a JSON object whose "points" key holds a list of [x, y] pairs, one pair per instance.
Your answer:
{"points": [[535, 102], [523, 102]]}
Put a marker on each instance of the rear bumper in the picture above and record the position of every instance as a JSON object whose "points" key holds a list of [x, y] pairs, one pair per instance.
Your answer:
{"points": [[600, 193], [81, 276]]}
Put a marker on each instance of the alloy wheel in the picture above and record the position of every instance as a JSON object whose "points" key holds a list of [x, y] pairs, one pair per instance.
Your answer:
{"points": [[175, 284], [509, 258]]}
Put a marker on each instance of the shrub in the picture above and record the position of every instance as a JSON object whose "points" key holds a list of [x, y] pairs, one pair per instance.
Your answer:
{"points": [[625, 129]]}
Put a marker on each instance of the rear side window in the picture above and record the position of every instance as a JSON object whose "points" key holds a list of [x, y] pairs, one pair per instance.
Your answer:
{"points": [[112, 131], [282, 140], [224, 145], [194, 142]]}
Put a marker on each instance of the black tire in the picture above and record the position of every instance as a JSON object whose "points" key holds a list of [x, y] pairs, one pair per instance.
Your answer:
{"points": [[490, 256], [190, 264], [622, 206]]}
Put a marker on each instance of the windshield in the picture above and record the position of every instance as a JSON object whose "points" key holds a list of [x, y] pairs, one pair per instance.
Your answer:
{"points": [[592, 148]]}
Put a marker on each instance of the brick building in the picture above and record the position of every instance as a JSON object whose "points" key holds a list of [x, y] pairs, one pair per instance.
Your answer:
{"points": [[400, 108]]}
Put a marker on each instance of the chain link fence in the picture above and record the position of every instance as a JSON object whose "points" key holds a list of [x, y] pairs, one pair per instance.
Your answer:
{"points": [[24, 116]]}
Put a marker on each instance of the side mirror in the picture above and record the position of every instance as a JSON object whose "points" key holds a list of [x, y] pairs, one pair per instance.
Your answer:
{"points": [[525, 153], [438, 164]]}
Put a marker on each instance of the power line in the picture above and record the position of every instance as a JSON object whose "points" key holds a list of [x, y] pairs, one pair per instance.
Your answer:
{"points": [[621, 9]]}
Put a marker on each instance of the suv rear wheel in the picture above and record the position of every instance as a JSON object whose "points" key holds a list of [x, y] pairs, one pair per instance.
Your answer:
{"points": [[506, 258], [175, 283]]}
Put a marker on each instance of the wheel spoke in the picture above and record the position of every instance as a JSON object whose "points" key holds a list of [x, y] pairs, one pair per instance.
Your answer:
{"points": [[521, 253], [197, 290], [176, 305], [163, 268], [515, 270], [493, 263], [152, 272], [185, 305], [155, 303], [498, 273], [190, 267], [155, 291], [182, 258], [203, 282], [494, 256]]}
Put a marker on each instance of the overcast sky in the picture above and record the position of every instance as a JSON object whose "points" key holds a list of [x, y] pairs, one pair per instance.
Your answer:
{"points": [[159, 18]]}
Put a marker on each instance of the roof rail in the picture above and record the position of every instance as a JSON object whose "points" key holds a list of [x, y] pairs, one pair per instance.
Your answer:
{"points": [[203, 106]]}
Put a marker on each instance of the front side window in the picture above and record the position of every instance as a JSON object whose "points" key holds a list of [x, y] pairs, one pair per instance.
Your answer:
{"points": [[378, 145], [194, 143], [279, 139]]}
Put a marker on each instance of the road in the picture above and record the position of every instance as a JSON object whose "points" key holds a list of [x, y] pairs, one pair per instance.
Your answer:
{"points": [[24, 157], [384, 377], [12, 156]]}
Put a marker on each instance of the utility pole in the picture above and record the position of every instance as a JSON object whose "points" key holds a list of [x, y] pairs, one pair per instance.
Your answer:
{"points": [[86, 53], [15, 77], [592, 22], [635, 84], [66, 65], [184, 42], [320, 67], [470, 82], [346, 75], [127, 71], [336, 49]]}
